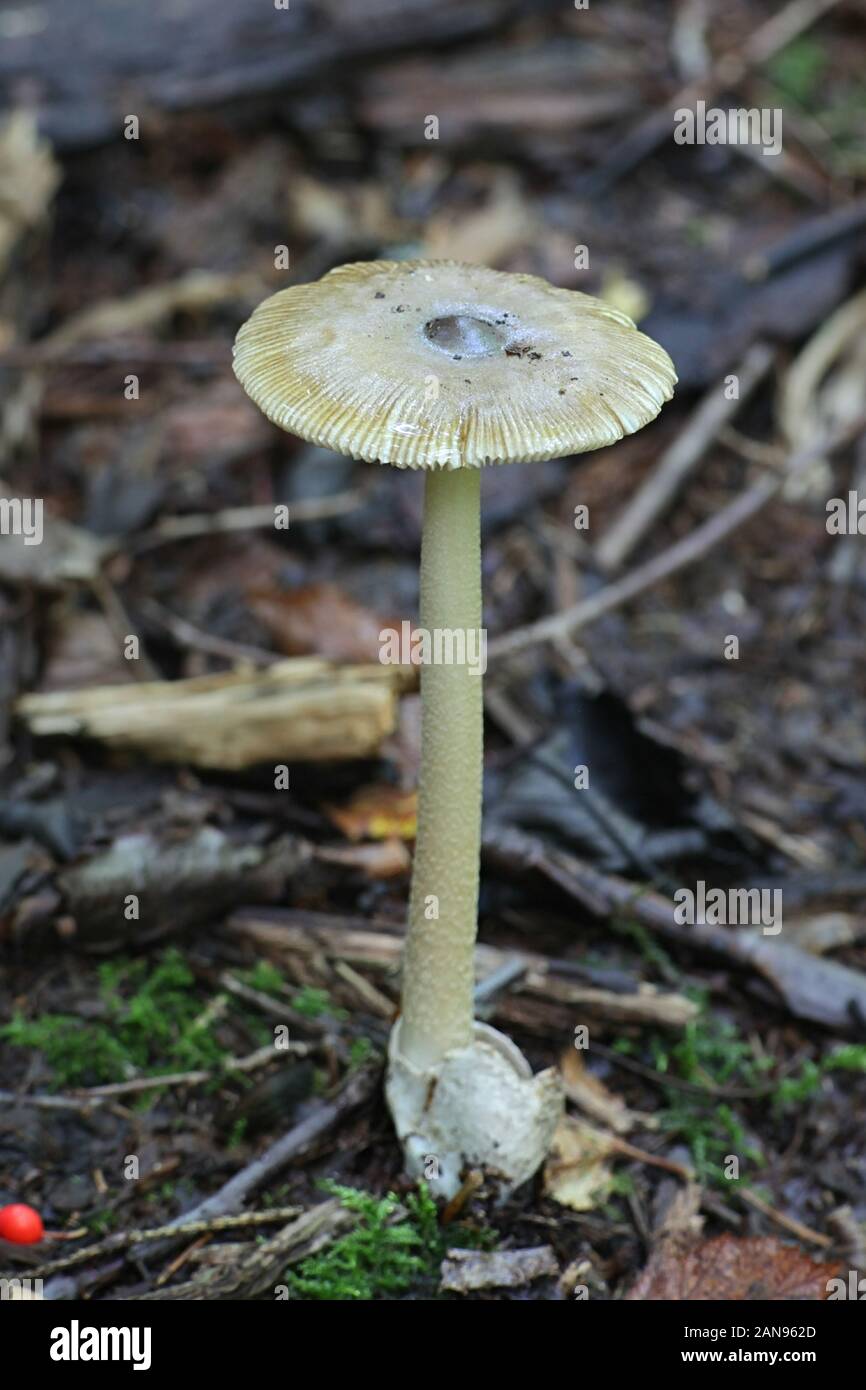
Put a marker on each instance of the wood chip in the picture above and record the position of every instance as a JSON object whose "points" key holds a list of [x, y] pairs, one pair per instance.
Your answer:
{"points": [[297, 710], [466, 1270]]}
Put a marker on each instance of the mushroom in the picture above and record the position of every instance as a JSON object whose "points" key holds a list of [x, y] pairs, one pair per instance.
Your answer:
{"points": [[448, 367]]}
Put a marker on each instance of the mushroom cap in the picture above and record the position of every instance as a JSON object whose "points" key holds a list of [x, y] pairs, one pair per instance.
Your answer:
{"points": [[435, 364]]}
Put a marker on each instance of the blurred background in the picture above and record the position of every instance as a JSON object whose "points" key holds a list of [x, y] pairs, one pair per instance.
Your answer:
{"points": [[165, 167], [195, 158]]}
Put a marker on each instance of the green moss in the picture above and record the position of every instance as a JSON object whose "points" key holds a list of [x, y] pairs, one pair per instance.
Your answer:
{"points": [[643, 939], [151, 1018], [360, 1051], [150, 1022], [793, 1090], [799, 68], [313, 1003], [394, 1247], [237, 1132], [263, 977], [163, 1194], [710, 1054], [850, 1058], [622, 1185], [102, 1223]]}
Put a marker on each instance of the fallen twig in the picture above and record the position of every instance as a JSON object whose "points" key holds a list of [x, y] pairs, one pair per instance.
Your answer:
{"points": [[122, 1240], [186, 634], [258, 518], [685, 552], [669, 1165], [709, 1091], [147, 309], [256, 1267], [788, 1223], [822, 991], [525, 972], [91, 1096], [816, 234], [730, 69], [678, 461], [229, 1197]]}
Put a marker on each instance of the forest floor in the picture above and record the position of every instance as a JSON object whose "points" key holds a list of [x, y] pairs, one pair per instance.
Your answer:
{"points": [[167, 903]]}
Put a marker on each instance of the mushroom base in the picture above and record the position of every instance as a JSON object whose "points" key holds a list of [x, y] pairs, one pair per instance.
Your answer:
{"points": [[479, 1107]]}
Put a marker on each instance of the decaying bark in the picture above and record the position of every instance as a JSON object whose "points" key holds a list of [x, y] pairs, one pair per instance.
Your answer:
{"points": [[145, 886], [303, 710]]}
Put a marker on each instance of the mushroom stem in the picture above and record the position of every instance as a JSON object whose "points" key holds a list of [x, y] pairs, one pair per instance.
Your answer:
{"points": [[438, 967]]}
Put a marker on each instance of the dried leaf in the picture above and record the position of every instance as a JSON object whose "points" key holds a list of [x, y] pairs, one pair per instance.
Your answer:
{"points": [[218, 422], [826, 931], [28, 177], [681, 1225], [577, 1174], [732, 1269], [485, 236], [385, 859], [82, 650], [196, 292], [591, 1094], [319, 619], [624, 293], [823, 389], [360, 212], [49, 551], [377, 813]]}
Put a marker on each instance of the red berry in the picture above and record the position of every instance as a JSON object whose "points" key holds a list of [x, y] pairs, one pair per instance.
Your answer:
{"points": [[21, 1224]]}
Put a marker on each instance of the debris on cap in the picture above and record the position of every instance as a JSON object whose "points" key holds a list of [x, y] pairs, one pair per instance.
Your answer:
{"points": [[434, 364]]}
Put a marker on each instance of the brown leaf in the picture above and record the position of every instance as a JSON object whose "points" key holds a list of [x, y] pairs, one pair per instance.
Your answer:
{"points": [[320, 619], [732, 1269], [591, 1094], [577, 1173], [382, 859], [377, 813], [82, 650], [217, 422]]}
